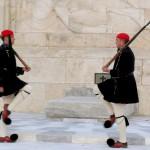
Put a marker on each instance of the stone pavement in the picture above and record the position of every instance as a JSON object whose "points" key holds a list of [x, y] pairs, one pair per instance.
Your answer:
{"points": [[62, 146], [34, 129]]}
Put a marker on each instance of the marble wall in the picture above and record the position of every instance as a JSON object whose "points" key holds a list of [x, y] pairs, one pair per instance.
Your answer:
{"points": [[67, 41]]}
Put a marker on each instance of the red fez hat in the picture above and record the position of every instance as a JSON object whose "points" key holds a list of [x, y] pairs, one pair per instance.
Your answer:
{"points": [[123, 36], [5, 33]]}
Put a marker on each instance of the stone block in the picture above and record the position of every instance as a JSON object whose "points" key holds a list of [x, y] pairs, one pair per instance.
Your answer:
{"points": [[80, 107]]}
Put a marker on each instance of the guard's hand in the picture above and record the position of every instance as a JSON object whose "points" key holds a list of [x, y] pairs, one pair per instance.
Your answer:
{"points": [[26, 69], [105, 69], [1, 89]]}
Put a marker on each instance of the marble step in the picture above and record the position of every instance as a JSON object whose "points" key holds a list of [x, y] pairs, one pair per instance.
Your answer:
{"points": [[37, 128], [90, 107], [96, 137]]}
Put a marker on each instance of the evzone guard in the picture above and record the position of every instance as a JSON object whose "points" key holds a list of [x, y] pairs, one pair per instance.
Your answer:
{"points": [[120, 90], [12, 89]]}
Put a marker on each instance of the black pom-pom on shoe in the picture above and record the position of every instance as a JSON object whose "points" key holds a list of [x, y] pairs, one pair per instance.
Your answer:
{"points": [[14, 137], [110, 142], [107, 124], [7, 121]]}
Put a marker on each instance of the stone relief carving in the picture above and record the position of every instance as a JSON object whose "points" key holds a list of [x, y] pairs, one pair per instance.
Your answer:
{"points": [[80, 16]]}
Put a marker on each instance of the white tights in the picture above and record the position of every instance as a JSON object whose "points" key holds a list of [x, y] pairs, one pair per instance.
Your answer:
{"points": [[13, 101], [118, 110]]}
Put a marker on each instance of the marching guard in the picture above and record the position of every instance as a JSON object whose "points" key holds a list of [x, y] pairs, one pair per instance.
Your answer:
{"points": [[120, 90], [12, 89]]}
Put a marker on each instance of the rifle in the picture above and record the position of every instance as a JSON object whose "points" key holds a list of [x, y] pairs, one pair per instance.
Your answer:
{"points": [[17, 55], [126, 45]]}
